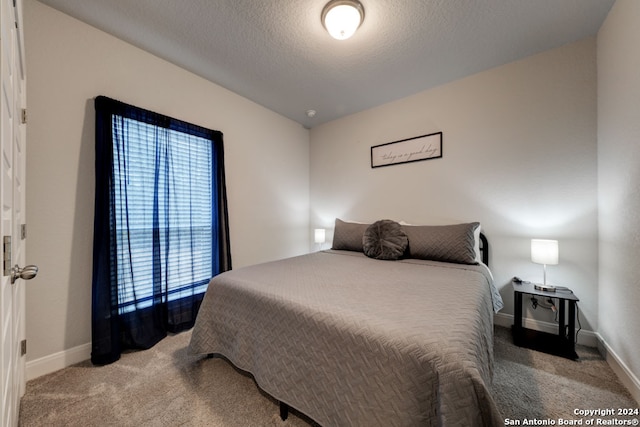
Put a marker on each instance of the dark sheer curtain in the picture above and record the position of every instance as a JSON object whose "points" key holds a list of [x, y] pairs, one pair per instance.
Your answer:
{"points": [[161, 226]]}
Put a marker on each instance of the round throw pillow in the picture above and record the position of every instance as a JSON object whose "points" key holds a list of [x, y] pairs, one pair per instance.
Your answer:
{"points": [[384, 239]]}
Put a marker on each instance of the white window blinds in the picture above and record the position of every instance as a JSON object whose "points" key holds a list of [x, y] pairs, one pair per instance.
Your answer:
{"points": [[163, 199]]}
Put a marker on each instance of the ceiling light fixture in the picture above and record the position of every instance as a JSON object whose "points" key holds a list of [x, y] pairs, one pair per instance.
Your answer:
{"points": [[342, 18]]}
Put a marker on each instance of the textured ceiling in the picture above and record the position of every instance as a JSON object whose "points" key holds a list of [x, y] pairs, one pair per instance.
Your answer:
{"points": [[277, 53]]}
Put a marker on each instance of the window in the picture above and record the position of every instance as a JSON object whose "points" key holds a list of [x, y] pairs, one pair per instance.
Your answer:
{"points": [[171, 170], [160, 231]]}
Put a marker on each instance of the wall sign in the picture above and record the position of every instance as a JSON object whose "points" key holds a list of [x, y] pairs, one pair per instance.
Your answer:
{"points": [[424, 147]]}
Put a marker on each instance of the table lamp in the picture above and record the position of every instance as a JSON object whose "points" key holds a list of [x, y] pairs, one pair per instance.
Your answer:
{"points": [[544, 252], [319, 236]]}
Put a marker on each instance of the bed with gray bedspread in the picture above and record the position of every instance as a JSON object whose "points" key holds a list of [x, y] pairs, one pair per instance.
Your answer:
{"points": [[354, 341]]}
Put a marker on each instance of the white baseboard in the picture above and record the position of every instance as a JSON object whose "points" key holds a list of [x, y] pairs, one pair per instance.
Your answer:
{"points": [[588, 338], [628, 378], [54, 362], [585, 337]]}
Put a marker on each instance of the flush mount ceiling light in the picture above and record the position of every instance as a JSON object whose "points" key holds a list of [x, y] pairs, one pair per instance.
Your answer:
{"points": [[342, 18]]}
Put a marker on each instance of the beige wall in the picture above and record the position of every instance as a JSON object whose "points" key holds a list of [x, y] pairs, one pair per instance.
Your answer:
{"points": [[519, 155], [619, 183], [69, 63]]}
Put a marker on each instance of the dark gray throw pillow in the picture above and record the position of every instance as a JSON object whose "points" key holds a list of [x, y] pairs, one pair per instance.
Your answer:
{"points": [[347, 236], [448, 243], [384, 239]]}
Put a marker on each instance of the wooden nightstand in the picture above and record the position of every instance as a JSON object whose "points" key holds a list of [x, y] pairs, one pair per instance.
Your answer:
{"points": [[563, 344]]}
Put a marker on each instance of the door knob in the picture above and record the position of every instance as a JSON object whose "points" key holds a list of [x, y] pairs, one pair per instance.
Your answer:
{"points": [[26, 273]]}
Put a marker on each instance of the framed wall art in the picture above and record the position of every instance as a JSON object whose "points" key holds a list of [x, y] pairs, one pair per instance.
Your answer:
{"points": [[418, 148]]}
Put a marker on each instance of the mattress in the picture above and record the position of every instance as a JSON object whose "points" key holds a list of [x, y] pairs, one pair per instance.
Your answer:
{"points": [[353, 341]]}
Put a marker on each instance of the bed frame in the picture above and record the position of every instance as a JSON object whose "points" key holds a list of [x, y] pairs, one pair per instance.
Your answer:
{"points": [[484, 249]]}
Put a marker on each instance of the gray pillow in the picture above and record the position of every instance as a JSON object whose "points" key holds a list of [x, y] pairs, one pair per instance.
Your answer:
{"points": [[347, 236], [384, 239], [448, 243]]}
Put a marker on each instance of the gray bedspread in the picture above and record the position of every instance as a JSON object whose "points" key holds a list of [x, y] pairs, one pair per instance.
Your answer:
{"points": [[353, 341]]}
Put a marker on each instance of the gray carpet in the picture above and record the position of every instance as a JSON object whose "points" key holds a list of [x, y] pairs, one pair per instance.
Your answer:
{"points": [[164, 386]]}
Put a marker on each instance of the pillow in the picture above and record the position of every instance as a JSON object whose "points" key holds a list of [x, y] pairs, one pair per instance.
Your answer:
{"points": [[384, 239], [448, 243], [347, 236]]}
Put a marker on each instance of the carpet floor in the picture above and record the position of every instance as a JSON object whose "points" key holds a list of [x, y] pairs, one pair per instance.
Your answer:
{"points": [[165, 386]]}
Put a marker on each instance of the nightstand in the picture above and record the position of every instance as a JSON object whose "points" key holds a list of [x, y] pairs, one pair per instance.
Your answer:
{"points": [[562, 344]]}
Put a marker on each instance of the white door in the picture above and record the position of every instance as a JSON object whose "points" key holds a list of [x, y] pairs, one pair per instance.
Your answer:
{"points": [[12, 202]]}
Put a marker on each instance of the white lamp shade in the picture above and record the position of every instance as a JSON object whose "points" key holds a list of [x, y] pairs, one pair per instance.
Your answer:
{"points": [[544, 251], [342, 18], [318, 235]]}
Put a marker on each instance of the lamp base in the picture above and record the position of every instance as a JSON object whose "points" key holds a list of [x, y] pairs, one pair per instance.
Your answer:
{"points": [[546, 288]]}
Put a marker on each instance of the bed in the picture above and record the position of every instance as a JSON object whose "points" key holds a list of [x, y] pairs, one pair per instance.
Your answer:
{"points": [[352, 340]]}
